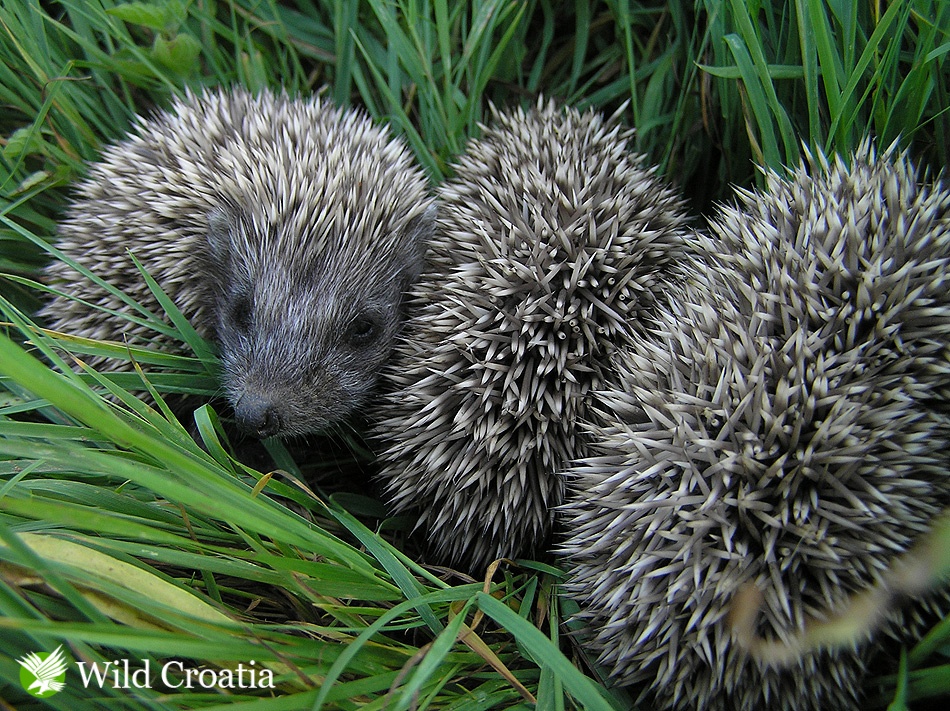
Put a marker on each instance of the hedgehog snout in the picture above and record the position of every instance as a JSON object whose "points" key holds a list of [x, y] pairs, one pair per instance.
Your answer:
{"points": [[258, 416], [272, 402]]}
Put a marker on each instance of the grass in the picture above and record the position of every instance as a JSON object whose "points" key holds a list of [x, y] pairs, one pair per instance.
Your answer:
{"points": [[124, 538]]}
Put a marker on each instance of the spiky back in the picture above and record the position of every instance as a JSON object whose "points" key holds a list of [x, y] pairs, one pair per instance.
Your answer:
{"points": [[786, 428], [318, 187], [552, 242]]}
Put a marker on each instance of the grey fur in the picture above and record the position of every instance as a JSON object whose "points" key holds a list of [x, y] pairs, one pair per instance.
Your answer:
{"points": [[285, 229], [553, 241], [786, 427]]}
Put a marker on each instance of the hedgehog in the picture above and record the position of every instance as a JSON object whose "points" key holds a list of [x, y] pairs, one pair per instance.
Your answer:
{"points": [[286, 229], [553, 241], [783, 431]]}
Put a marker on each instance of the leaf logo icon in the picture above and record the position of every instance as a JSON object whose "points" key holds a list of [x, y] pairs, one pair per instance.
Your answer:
{"points": [[43, 674]]}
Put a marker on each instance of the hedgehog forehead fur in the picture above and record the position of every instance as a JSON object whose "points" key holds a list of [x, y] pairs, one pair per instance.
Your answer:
{"points": [[786, 427], [286, 229], [553, 240]]}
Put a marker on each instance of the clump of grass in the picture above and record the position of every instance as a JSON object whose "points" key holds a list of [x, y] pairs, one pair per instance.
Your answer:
{"points": [[123, 537], [827, 75], [218, 563]]}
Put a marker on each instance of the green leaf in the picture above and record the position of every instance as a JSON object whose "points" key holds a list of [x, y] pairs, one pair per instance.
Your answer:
{"points": [[900, 695], [97, 566], [179, 54], [22, 142], [155, 17]]}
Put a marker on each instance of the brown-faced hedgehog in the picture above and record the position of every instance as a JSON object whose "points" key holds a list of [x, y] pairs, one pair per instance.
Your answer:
{"points": [[553, 241], [785, 433], [285, 229]]}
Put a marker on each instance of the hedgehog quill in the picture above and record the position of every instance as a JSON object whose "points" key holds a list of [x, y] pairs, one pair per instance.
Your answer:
{"points": [[785, 431], [553, 241], [286, 230]]}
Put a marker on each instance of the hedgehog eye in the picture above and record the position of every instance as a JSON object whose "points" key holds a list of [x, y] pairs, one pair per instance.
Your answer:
{"points": [[241, 313], [362, 331]]}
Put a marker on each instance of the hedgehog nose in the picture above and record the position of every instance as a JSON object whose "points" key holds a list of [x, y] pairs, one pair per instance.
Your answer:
{"points": [[257, 416]]}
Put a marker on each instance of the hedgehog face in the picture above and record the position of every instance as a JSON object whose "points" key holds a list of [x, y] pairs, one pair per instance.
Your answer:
{"points": [[284, 228], [293, 365], [300, 347]]}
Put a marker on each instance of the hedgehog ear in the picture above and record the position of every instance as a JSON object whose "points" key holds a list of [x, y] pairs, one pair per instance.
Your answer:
{"points": [[419, 231]]}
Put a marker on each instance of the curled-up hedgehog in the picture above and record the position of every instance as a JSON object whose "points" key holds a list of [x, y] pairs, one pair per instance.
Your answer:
{"points": [[553, 241], [781, 439], [287, 230]]}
